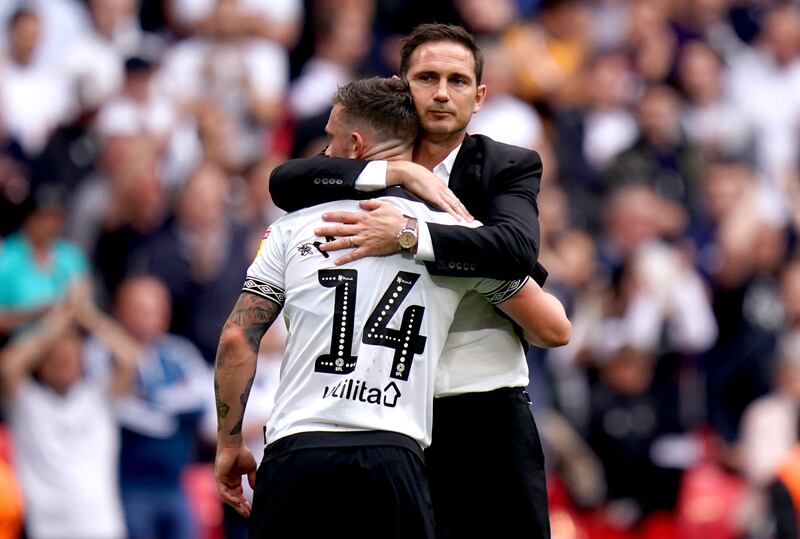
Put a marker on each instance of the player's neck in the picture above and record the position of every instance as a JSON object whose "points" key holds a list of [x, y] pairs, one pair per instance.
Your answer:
{"points": [[432, 149], [389, 150]]}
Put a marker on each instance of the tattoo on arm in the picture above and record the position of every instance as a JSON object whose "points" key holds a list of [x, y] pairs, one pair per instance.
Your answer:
{"points": [[255, 315], [222, 408], [243, 400]]}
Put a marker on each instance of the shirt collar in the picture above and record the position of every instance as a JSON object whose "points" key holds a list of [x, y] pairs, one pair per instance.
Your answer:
{"points": [[445, 168]]}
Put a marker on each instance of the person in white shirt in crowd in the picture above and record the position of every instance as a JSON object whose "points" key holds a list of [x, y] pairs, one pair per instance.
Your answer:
{"points": [[277, 20], [34, 99], [341, 42], [503, 116], [114, 35], [246, 76], [143, 109], [65, 437], [63, 23], [355, 416], [710, 118], [766, 74]]}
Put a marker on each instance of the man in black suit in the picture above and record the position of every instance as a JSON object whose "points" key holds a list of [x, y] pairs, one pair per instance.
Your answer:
{"points": [[485, 465]]}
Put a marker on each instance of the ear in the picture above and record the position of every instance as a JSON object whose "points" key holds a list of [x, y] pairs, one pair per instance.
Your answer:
{"points": [[395, 77], [479, 97], [358, 144]]}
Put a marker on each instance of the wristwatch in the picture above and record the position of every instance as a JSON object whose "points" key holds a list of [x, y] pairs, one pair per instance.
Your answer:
{"points": [[407, 238]]}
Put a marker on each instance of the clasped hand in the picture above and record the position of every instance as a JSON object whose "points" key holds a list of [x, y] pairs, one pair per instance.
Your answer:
{"points": [[369, 233]]}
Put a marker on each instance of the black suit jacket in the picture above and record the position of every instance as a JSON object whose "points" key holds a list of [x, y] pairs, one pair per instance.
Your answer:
{"points": [[498, 184]]}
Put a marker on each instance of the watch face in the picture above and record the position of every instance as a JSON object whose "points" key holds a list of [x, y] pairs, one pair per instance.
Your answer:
{"points": [[407, 240]]}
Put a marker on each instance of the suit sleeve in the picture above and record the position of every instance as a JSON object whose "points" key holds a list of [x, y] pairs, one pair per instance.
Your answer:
{"points": [[507, 246], [301, 183]]}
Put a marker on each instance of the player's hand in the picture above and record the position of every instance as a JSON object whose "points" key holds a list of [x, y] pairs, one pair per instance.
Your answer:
{"points": [[230, 465], [370, 233], [427, 186]]}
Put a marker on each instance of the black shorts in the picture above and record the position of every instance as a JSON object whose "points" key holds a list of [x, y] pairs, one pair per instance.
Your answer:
{"points": [[362, 485], [486, 467]]}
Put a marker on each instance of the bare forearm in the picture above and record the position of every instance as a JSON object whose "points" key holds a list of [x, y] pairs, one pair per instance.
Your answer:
{"points": [[234, 372], [124, 349], [23, 354], [235, 366], [541, 316], [11, 319], [552, 328]]}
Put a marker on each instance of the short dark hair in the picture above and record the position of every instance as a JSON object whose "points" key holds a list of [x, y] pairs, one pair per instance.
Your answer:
{"points": [[385, 105], [430, 32]]}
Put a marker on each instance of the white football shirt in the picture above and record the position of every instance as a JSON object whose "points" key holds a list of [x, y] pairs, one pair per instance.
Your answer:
{"points": [[363, 338]]}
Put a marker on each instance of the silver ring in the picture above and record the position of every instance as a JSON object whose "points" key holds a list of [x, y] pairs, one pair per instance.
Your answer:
{"points": [[351, 241]]}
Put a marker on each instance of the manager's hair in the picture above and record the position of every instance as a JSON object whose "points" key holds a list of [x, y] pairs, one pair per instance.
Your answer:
{"points": [[384, 105], [430, 32]]}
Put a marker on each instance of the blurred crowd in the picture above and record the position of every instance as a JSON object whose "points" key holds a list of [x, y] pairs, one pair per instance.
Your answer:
{"points": [[136, 141]]}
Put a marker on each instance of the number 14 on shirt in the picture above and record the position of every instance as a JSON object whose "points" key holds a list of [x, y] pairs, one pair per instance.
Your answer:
{"points": [[406, 341]]}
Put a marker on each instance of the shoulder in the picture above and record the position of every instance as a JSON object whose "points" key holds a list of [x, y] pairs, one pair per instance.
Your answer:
{"points": [[11, 251], [500, 152]]}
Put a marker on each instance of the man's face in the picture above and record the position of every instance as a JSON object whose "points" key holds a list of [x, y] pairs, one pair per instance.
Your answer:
{"points": [[441, 75], [340, 140]]}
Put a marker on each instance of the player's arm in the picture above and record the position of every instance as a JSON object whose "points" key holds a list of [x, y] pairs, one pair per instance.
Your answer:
{"points": [[234, 372], [300, 183], [540, 315]]}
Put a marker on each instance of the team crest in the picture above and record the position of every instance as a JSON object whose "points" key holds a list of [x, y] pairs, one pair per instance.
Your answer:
{"points": [[263, 240]]}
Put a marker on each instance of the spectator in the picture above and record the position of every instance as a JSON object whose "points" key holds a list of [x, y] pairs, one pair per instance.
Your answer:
{"points": [[590, 135], [661, 157], [201, 257], [246, 77], [769, 73], [548, 51], [140, 110], [341, 43], [65, 438], [36, 265], [744, 258], [159, 417], [277, 21], [506, 118], [132, 206], [712, 121], [34, 99]]}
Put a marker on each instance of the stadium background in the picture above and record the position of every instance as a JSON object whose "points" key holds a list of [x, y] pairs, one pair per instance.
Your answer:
{"points": [[670, 205]]}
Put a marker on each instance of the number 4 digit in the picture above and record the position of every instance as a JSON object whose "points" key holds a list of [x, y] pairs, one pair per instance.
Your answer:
{"points": [[406, 341]]}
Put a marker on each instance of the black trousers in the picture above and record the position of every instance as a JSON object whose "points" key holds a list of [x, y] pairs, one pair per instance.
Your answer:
{"points": [[342, 492], [486, 467]]}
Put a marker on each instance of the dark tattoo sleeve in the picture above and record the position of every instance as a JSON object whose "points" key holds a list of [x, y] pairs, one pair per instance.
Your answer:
{"points": [[243, 400], [253, 315]]}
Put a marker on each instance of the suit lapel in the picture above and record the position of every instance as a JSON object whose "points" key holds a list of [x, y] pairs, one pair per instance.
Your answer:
{"points": [[466, 168]]}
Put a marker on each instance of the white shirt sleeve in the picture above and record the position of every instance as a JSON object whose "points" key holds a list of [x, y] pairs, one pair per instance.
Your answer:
{"points": [[266, 277], [424, 243], [373, 177]]}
